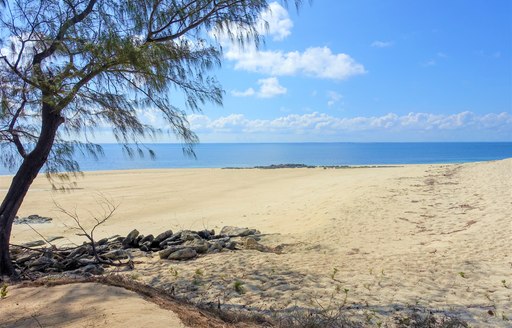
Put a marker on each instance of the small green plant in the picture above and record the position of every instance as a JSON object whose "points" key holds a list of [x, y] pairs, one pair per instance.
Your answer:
{"points": [[334, 272], [135, 276], [462, 274], [3, 291], [173, 272], [239, 287], [346, 296], [504, 283], [198, 277]]}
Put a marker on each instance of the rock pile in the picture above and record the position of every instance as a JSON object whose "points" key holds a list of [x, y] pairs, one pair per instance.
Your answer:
{"points": [[91, 259], [187, 244]]}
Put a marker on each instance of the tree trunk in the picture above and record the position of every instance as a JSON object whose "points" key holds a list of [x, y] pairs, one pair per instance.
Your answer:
{"points": [[27, 172]]}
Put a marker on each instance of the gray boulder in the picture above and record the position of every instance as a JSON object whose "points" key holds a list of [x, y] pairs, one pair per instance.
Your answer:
{"points": [[168, 251], [148, 238], [206, 234], [43, 261], [161, 237], [238, 232], [129, 241], [230, 245], [199, 245], [183, 254], [116, 254], [189, 235]]}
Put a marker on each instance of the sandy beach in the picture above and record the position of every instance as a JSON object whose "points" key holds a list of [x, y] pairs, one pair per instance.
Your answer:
{"points": [[373, 240]]}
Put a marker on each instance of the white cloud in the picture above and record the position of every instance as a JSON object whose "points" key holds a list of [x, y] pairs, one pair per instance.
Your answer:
{"points": [[333, 97], [269, 88], [318, 124], [317, 62], [275, 22], [381, 44], [247, 93]]}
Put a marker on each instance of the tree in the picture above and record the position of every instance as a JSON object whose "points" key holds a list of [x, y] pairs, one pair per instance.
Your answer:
{"points": [[68, 67]]}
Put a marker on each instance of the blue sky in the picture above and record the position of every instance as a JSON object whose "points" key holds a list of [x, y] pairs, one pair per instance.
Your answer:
{"points": [[370, 70]]}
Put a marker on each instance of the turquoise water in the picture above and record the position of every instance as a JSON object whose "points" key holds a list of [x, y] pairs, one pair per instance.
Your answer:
{"points": [[256, 154]]}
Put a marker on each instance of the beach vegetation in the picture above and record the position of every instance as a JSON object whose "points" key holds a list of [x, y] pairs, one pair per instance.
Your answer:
{"points": [[345, 298], [334, 272], [197, 278], [71, 68], [173, 272], [238, 285], [3, 291]]}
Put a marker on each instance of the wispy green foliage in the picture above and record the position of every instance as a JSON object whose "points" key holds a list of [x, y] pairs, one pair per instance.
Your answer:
{"points": [[101, 63]]}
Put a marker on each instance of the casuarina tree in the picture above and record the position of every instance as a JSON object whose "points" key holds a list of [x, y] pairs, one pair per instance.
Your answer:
{"points": [[71, 67]]}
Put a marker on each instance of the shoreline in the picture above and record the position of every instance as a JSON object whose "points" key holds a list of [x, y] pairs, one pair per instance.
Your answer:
{"points": [[270, 166]]}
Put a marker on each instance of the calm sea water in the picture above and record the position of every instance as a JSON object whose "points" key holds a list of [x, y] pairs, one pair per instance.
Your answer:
{"points": [[248, 155]]}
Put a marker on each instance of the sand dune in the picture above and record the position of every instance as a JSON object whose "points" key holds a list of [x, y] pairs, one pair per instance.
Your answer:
{"points": [[371, 239]]}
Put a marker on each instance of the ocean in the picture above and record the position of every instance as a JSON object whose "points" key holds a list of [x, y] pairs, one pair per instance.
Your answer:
{"points": [[210, 155]]}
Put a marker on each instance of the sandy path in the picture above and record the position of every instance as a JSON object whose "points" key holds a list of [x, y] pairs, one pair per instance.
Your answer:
{"points": [[82, 305], [372, 239]]}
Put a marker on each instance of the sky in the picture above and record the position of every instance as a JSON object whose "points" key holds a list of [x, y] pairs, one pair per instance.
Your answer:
{"points": [[369, 71], [364, 71]]}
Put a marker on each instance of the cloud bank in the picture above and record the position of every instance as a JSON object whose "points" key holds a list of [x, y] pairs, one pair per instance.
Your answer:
{"points": [[463, 126]]}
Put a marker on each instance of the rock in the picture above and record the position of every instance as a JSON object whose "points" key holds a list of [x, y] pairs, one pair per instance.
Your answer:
{"points": [[146, 246], [168, 251], [183, 254], [230, 245], [199, 245], [130, 239], [238, 232], [24, 259], [138, 239], [116, 254], [103, 241], [161, 237], [92, 269], [41, 262], [148, 238], [251, 243], [34, 243], [79, 251], [216, 247], [206, 234], [189, 235], [170, 242]]}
